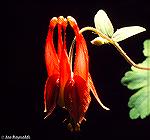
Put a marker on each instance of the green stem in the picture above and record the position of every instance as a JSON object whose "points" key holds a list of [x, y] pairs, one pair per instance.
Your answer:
{"points": [[115, 44], [71, 52]]}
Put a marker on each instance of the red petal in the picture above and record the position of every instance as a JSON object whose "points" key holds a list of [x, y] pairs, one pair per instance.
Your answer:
{"points": [[51, 59], [62, 24], [77, 98], [51, 93], [65, 74], [92, 88], [60, 42], [81, 58], [65, 71], [64, 27]]}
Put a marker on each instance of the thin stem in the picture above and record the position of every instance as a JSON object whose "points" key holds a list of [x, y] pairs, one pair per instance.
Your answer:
{"points": [[115, 44], [127, 58], [71, 51]]}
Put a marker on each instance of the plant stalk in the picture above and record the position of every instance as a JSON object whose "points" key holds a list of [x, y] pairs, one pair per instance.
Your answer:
{"points": [[115, 44]]}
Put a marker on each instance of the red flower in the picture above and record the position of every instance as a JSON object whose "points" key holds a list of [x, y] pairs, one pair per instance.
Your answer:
{"points": [[68, 89]]}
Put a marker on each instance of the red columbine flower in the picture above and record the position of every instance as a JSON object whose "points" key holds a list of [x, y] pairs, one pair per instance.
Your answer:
{"points": [[67, 88]]}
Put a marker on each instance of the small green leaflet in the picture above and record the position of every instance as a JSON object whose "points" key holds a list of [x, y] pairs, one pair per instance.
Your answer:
{"points": [[126, 32], [104, 25], [139, 81]]}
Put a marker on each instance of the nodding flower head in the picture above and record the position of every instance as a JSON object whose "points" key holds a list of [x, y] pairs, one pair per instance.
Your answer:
{"points": [[65, 87]]}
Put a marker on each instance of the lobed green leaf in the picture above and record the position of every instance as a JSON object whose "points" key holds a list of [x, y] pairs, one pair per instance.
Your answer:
{"points": [[139, 80], [146, 50]]}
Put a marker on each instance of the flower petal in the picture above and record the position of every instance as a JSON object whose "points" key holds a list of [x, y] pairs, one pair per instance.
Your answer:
{"points": [[51, 93], [77, 98], [60, 41], [103, 23], [92, 88], [64, 24], [65, 74], [51, 59], [81, 58], [126, 32]]}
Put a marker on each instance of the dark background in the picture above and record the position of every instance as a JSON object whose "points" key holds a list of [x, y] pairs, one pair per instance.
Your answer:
{"points": [[22, 100]]}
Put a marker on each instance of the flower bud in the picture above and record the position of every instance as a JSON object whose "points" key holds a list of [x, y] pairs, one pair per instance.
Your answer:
{"points": [[99, 41]]}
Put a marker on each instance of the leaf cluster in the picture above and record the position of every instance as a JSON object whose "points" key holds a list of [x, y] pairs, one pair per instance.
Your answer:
{"points": [[139, 81]]}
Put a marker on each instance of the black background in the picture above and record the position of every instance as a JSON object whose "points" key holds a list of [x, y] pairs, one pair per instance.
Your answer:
{"points": [[22, 101]]}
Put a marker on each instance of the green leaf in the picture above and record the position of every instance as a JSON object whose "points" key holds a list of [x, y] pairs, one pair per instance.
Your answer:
{"points": [[126, 32], [146, 50], [103, 23], [140, 103], [139, 81]]}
